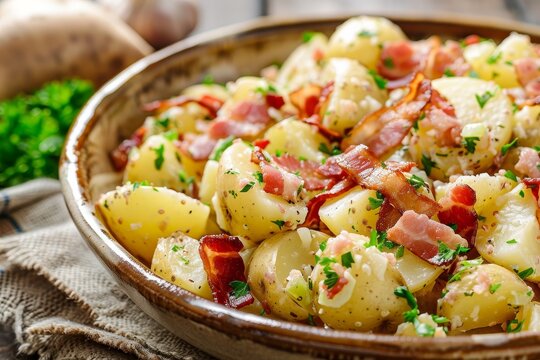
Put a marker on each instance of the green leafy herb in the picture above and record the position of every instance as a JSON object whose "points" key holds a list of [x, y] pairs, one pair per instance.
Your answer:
{"points": [[231, 172], [469, 142], [493, 58], [494, 287], [453, 227], [324, 149], [439, 319], [136, 184], [171, 135], [279, 223], [508, 146], [379, 81], [323, 245], [269, 89], [522, 193], [481, 218], [184, 178], [208, 79], [526, 273], [239, 288], [428, 164], [388, 63], [308, 36], [484, 98], [446, 254], [279, 153], [514, 326], [366, 33], [510, 175], [347, 259], [400, 251], [247, 187], [376, 203], [380, 240], [221, 148], [463, 267], [331, 277], [163, 122], [513, 241], [158, 161], [416, 181], [449, 73], [310, 320], [259, 176], [33, 127], [233, 193]]}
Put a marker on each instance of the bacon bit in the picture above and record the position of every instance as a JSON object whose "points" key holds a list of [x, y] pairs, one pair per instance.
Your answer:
{"points": [[402, 58], [119, 156], [440, 102], [331, 169], [528, 74], [359, 163], [446, 58], [472, 39], [306, 169], [247, 119], [262, 143], [403, 166], [421, 235], [198, 147], [388, 216], [318, 54], [458, 209], [314, 205], [533, 184], [210, 103], [340, 284], [528, 162], [275, 101], [385, 129], [223, 265], [401, 82], [306, 99]]}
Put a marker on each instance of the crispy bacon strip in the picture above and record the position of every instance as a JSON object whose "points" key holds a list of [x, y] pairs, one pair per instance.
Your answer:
{"points": [[388, 216], [223, 265], [306, 99], [274, 100], [385, 129], [315, 203], [315, 120], [210, 103], [262, 143], [401, 58], [359, 163], [306, 169], [533, 184], [458, 209], [421, 235], [198, 146], [119, 156]]}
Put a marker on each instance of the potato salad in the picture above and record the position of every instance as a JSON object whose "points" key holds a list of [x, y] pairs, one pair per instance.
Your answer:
{"points": [[369, 183]]}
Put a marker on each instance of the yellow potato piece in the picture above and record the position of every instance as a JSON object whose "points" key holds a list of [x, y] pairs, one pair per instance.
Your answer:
{"points": [[138, 216], [530, 315], [177, 260]]}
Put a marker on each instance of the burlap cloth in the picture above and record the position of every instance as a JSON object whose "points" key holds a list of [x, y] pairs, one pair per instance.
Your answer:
{"points": [[55, 295]]}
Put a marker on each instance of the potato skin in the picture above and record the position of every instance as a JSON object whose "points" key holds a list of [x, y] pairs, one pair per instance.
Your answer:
{"points": [[372, 305], [271, 264], [45, 40], [139, 217], [485, 295]]}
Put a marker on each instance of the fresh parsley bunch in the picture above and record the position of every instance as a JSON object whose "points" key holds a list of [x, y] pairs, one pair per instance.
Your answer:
{"points": [[33, 128]]}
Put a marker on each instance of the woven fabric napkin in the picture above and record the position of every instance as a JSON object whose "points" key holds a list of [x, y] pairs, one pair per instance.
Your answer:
{"points": [[55, 295]]}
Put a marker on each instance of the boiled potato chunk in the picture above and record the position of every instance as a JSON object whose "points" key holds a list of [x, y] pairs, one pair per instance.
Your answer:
{"points": [[488, 119], [302, 66], [530, 315], [253, 213], [297, 139], [367, 301], [208, 182], [494, 63], [417, 273], [215, 90], [486, 187], [177, 260], [482, 296], [138, 216], [158, 162], [355, 94], [272, 269], [360, 38], [527, 126], [350, 212], [408, 329], [509, 235]]}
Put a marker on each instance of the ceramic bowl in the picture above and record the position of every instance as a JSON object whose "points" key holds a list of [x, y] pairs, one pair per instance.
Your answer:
{"points": [[115, 111]]}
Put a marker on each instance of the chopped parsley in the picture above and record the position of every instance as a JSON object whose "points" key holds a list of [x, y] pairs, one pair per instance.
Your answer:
{"points": [[176, 248], [279, 153], [239, 288], [279, 223], [417, 182], [366, 33], [233, 193], [522, 193], [136, 184], [379, 240], [494, 287], [158, 162], [513, 241], [446, 254], [184, 178], [493, 58], [469, 142], [420, 118], [422, 329], [269, 89], [463, 267], [484, 98], [208, 79], [347, 259], [221, 148], [526, 273], [308, 36], [231, 172], [448, 73], [453, 227], [258, 176], [508, 146], [514, 326], [481, 218], [379, 81], [428, 164], [331, 277], [322, 245], [388, 63], [510, 175], [171, 135], [163, 122], [331, 152], [248, 186], [400, 251], [375, 203]]}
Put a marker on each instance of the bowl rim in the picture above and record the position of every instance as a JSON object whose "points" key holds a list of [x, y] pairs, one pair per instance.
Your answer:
{"points": [[275, 333]]}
